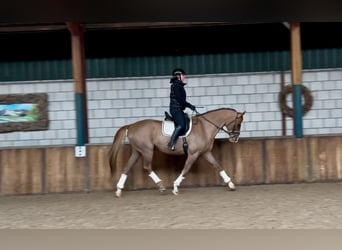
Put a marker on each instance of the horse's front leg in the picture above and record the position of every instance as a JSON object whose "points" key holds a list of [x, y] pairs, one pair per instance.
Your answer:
{"points": [[210, 158], [148, 155], [188, 164]]}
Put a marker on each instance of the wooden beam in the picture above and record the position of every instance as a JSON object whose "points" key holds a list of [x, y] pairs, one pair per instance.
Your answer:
{"points": [[78, 56], [296, 64], [79, 75], [296, 53]]}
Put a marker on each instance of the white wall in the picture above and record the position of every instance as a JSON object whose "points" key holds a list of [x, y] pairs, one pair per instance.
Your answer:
{"points": [[115, 102]]}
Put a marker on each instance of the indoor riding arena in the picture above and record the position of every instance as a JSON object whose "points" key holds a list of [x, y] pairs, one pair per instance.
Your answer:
{"points": [[66, 88], [280, 183]]}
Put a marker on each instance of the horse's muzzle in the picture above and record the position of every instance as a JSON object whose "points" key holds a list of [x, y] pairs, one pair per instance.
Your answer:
{"points": [[234, 137]]}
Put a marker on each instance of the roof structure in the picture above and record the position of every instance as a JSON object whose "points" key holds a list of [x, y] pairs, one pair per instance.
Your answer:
{"points": [[37, 30], [137, 11]]}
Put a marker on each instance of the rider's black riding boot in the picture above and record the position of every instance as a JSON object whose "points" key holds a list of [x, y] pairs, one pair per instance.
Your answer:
{"points": [[174, 137]]}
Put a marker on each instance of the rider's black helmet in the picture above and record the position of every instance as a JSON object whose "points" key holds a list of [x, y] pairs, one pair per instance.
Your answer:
{"points": [[178, 71]]}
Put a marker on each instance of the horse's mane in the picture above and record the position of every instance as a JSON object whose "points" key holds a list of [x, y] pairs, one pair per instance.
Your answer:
{"points": [[215, 110]]}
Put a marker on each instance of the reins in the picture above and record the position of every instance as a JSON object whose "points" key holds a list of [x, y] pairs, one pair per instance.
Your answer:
{"points": [[218, 127]]}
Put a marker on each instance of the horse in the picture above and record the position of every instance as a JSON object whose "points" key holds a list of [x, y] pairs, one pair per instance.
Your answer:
{"points": [[144, 135]]}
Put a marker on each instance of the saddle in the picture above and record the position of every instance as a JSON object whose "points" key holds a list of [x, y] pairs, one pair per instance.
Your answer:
{"points": [[169, 126]]}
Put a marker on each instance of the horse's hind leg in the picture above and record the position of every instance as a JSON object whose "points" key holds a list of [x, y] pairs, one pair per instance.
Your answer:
{"points": [[147, 154], [131, 161], [157, 180], [210, 158]]}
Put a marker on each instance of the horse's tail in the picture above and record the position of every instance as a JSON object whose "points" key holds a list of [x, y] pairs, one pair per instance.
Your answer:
{"points": [[117, 143]]}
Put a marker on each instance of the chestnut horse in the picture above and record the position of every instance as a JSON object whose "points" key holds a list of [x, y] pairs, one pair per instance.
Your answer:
{"points": [[143, 136]]}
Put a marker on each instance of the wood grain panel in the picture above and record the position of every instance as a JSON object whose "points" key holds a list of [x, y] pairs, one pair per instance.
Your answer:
{"points": [[64, 171], [99, 170], [203, 174], [245, 159], [21, 171], [251, 161], [286, 160], [326, 158]]}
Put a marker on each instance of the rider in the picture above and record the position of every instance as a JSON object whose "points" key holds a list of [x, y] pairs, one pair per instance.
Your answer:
{"points": [[178, 104]]}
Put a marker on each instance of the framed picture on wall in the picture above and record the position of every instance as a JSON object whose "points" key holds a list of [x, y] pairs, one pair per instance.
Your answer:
{"points": [[23, 112]]}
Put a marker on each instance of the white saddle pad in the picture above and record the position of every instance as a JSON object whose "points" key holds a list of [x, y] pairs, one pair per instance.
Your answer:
{"points": [[169, 126]]}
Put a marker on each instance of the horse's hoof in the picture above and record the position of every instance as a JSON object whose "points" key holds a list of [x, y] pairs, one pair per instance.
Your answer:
{"points": [[162, 189], [175, 192], [231, 186], [118, 193]]}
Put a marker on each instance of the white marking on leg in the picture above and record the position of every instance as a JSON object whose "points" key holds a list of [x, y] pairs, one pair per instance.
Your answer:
{"points": [[175, 189], [121, 181], [154, 177], [224, 176], [126, 141], [178, 180], [176, 183]]}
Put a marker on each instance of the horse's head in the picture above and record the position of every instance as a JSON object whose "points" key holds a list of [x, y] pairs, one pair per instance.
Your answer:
{"points": [[234, 127]]}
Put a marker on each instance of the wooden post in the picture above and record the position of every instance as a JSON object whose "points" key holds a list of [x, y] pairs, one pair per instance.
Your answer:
{"points": [[296, 54], [79, 75], [296, 77]]}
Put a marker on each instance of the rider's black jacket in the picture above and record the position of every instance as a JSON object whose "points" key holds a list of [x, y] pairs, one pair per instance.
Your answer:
{"points": [[178, 96]]}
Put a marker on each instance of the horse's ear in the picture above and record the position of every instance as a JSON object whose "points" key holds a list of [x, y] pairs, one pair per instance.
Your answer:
{"points": [[242, 114]]}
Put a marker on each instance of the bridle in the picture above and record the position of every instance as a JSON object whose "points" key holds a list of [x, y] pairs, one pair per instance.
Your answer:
{"points": [[233, 132]]}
